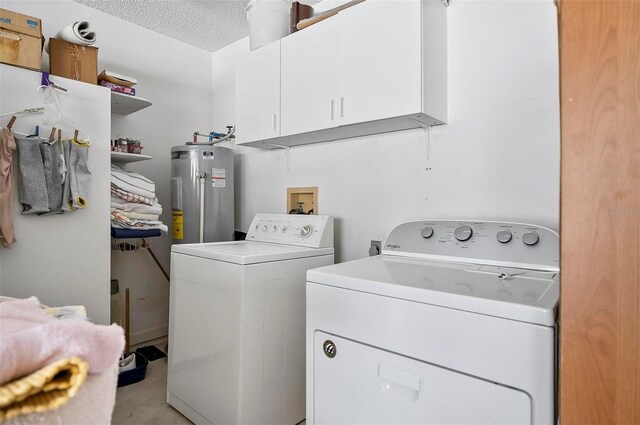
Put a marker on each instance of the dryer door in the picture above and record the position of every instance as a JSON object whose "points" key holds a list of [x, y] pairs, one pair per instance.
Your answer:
{"points": [[359, 384]]}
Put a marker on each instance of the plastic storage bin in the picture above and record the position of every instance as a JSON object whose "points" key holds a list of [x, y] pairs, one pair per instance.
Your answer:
{"points": [[269, 20], [134, 375]]}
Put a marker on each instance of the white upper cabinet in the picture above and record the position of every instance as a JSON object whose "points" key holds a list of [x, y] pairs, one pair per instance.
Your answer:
{"points": [[258, 95], [376, 67], [380, 51], [310, 79]]}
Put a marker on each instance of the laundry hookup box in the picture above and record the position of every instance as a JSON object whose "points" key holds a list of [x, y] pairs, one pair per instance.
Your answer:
{"points": [[21, 40], [73, 61]]}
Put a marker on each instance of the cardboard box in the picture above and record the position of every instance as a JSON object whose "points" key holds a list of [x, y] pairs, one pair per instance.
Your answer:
{"points": [[73, 61], [117, 87], [21, 40]]}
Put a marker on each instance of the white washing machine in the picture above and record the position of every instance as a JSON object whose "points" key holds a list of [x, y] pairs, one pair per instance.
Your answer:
{"points": [[453, 324], [237, 322]]}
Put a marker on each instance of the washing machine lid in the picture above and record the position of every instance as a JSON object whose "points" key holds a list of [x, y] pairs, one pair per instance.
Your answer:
{"points": [[248, 252], [517, 294]]}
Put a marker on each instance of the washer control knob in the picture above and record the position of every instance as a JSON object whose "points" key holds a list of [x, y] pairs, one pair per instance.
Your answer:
{"points": [[463, 233], [427, 232], [306, 230], [530, 238], [284, 229], [504, 236], [265, 227], [275, 227]]}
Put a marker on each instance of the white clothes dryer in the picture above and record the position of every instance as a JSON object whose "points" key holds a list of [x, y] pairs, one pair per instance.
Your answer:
{"points": [[455, 323], [236, 326]]}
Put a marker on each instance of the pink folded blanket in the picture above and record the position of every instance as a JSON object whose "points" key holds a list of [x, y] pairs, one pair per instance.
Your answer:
{"points": [[31, 339]]}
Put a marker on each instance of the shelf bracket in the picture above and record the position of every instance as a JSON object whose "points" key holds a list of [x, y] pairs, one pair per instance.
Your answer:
{"points": [[421, 124], [427, 130], [288, 148], [278, 146]]}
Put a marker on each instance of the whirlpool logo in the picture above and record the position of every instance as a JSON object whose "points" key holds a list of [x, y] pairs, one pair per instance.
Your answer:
{"points": [[393, 246]]}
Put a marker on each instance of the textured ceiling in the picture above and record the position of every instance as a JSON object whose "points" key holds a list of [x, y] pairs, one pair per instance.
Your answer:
{"points": [[208, 24]]}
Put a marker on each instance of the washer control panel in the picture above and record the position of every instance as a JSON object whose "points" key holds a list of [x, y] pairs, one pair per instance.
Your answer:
{"points": [[315, 231], [479, 242]]}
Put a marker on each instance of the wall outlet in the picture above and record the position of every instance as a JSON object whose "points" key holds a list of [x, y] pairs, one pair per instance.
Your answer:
{"points": [[375, 248]]}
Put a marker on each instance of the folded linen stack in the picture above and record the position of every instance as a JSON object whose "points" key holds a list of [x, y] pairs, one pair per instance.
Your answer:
{"points": [[135, 211]]}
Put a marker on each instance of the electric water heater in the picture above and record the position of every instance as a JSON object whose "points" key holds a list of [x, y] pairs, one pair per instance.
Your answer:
{"points": [[202, 194]]}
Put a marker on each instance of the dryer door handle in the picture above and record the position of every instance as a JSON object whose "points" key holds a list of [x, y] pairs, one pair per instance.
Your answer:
{"points": [[400, 376]]}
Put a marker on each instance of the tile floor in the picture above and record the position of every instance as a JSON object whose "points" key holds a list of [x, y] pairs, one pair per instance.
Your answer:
{"points": [[145, 402]]}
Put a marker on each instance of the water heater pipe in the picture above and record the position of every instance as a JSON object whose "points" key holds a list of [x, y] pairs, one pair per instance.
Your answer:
{"points": [[214, 137], [201, 177]]}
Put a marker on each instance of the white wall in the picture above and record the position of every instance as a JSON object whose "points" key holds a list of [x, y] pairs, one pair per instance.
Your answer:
{"points": [[176, 77], [497, 158], [62, 259]]}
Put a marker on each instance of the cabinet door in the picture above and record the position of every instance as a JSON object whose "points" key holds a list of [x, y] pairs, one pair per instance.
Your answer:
{"points": [[310, 78], [258, 95], [380, 60]]}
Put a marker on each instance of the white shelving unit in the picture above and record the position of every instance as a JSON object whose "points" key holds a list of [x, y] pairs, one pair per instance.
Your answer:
{"points": [[124, 104], [126, 158]]}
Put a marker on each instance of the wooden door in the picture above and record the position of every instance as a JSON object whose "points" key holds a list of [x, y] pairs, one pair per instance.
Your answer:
{"points": [[258, 95], [600, 212]]}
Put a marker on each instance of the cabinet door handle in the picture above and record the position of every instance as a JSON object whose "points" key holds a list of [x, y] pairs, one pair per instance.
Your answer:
{"points": [[341, 106], [275, 122], [333, 112]]}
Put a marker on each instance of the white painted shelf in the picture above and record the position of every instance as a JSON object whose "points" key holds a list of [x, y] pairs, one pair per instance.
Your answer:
{"points": [[125, 158], [124, 104]]}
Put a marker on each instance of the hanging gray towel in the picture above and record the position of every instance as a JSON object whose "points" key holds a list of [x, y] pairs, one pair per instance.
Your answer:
{"points": [[33, 186], [66, 187], [52, 177], [78, 173]]}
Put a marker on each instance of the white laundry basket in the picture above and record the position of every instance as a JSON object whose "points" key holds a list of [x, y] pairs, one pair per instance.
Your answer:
{"points": [[269, 20]]}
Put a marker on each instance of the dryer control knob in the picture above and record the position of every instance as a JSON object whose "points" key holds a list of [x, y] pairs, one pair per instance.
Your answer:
{"points": [[306, 230], [463, 233], [427, 232], [504, 236], [530, 238]]}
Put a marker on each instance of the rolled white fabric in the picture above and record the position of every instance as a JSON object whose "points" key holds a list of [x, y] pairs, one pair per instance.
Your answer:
{"points": [[78, 33]]}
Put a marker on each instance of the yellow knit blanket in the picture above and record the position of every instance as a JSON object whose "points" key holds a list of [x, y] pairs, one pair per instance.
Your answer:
{"points": [[45, 389]]}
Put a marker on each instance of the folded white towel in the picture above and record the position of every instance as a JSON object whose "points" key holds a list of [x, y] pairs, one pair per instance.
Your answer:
{"points": [[137, 216], [117, 203], [133, 182], [119, 221], [120, 204], [141, 226]]}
